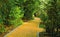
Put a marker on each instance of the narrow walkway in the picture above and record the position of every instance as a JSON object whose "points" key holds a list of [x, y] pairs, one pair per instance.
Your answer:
{"points": [[28, 29]]}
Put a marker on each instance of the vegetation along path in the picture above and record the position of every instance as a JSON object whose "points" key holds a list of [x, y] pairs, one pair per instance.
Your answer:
{"points": [[27, 29]]}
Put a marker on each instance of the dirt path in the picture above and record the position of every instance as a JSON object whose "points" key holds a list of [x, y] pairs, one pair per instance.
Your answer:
{"points": [[28, 29]]}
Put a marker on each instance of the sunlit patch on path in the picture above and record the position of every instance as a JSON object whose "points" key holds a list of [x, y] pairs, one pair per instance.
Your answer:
{"points": [[27, 29]]}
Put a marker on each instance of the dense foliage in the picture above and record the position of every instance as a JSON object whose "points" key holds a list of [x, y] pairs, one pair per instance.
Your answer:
{"points": [[50, 14], [29, 8], [10, 14], [12, 11]]}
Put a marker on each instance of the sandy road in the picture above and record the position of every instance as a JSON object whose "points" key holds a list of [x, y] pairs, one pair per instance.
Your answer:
{"points": [[27, 29]]}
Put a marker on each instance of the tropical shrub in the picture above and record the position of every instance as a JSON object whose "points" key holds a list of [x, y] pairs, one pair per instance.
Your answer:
{"points": [[10, 12]]}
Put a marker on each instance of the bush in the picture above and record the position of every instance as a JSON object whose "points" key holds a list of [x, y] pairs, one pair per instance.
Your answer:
{"points": [[10, 12], [2, 28], [15, 16]]}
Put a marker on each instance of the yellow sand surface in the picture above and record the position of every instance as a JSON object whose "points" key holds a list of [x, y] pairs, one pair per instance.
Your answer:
{"points": [[27, 29]]}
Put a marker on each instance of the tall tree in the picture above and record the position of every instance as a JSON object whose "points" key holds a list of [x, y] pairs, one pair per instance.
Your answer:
{"points": [[52, 16]]}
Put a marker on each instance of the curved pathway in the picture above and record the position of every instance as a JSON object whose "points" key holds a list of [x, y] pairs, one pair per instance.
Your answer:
{"points": [[27, 29]]}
